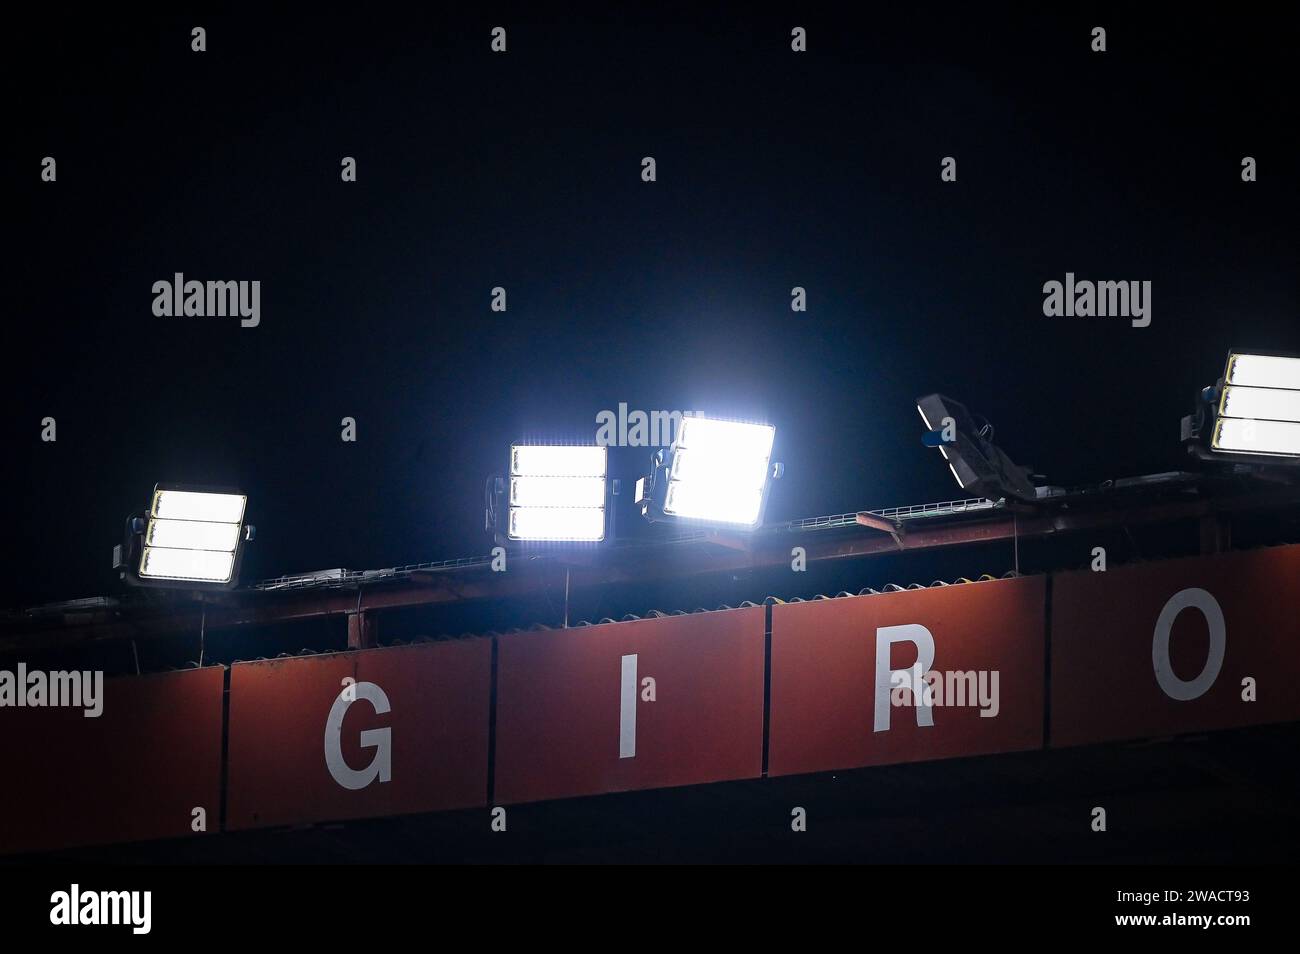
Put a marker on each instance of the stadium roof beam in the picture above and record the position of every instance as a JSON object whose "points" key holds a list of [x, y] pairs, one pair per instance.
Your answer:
{"points": [[461, 581]]}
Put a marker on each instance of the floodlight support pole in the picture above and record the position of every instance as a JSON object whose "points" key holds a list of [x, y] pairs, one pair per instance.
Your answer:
{"points": [[1216, 533], [361, 631]]}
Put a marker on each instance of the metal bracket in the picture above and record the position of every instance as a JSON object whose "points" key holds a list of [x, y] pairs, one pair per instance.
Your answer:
{"points": [[363, 631], [884, 524]]}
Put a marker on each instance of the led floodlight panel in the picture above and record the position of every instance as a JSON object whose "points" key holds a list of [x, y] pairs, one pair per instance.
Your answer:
{"points": [[557, 492], [720, 471], [192, 536]]}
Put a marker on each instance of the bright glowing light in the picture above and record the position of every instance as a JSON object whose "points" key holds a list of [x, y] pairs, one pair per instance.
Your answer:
{"points": [[705, 466], [192, 535], [717, 503], [205, 566], [1267, 404], [719, 471], [1245, 436], [557, 491], [1263, 371], [726, 437], [1259, 411], [557, 523], [557, 460], [192, 505]]}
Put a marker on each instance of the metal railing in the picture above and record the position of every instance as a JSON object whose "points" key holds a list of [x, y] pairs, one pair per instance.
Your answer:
{"points": [[340, 577]]}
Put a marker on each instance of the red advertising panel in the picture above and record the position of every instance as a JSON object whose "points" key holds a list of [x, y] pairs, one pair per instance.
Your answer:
{"points": [[359, 734], [843, 672], [137, 770], [1177, 646], [649, 703]]}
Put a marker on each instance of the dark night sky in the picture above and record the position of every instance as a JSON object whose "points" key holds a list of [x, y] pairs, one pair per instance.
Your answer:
{"points": [[775, 169]]}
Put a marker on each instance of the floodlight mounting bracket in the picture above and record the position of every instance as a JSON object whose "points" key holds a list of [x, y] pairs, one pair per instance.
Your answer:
{"points": [[730, 539], [889, 525]]}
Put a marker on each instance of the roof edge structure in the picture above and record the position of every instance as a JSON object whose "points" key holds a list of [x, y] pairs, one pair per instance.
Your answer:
{"points": [[1156, 499]]}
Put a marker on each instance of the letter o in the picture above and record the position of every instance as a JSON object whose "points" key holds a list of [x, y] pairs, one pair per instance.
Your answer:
{"points": [[1173, 687]]}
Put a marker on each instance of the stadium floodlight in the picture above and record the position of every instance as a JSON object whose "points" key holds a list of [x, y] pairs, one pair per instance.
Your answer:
{"points": [[190, 537], [554, 493], [716, 472], [1251, 415], [979, 466]]}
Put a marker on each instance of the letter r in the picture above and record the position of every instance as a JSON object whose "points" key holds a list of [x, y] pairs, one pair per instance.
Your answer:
{"points": [[920, 637]]}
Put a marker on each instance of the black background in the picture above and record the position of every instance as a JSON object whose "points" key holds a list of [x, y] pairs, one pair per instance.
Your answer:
{"points": [[476, 169], [775, 169]]}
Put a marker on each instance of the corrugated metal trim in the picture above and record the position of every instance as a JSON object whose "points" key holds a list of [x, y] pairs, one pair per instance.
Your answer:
{"points": [[722, 607], [888, 588]]}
